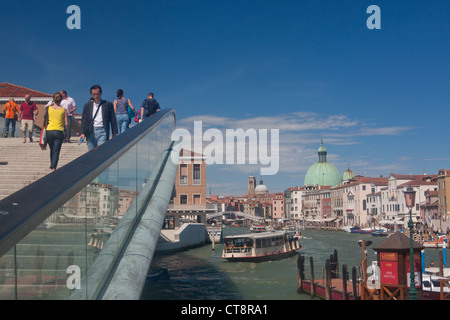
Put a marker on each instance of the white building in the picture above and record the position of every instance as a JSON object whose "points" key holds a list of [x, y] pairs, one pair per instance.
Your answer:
{"points": [[296, 213], [354, 199], [393, 207]]}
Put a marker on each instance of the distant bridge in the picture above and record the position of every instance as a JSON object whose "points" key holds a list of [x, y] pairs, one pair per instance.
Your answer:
{"points": [[237, 214]]}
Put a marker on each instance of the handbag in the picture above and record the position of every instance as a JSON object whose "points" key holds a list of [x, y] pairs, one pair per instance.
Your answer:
{"points": [[43, 139], [131, 113], [43, 136]]}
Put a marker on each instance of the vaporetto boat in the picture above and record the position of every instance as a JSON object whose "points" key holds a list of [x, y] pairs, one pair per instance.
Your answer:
{"points": [[264, 246]]}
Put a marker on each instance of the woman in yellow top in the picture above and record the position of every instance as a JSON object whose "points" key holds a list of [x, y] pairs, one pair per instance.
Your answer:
{"points": [[55, 122]]}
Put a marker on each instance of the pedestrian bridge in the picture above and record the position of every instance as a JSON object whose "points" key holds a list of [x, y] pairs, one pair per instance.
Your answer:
{"points": [[89, 229]]}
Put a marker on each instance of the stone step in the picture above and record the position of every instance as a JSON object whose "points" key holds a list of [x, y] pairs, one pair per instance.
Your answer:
{"points": [[23, 163]]}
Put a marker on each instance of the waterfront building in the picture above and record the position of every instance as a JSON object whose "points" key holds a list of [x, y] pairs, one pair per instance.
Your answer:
{"points": [[394, 210], [278, 206], [296, 194], [293, 203], [374, 206], [254, 208], [354, 199], [443, 184], [189, 203], [337, 204], [226, 203], [429, 210], [317, 204], [288, 203], [267, 208]]}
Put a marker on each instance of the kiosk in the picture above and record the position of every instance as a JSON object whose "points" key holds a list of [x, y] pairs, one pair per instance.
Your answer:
{"points": [[393, 257]]}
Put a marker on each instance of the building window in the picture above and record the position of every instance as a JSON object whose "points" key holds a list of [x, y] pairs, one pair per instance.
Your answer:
{"points": [[197, 199], [183, 199], [196, 174], [183, 173]]}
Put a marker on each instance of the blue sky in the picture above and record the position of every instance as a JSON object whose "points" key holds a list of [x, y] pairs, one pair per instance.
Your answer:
{"points": [[310, 68]]}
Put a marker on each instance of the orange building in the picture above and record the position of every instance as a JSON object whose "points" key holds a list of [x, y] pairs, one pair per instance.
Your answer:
{"points": [[189, 203]]}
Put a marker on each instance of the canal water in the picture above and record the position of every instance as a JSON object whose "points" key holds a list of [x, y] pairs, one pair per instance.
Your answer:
{"points": [[201, 273]]}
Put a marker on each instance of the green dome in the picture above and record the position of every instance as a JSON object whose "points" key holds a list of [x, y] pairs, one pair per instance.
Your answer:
{"points": [[322, 173]]}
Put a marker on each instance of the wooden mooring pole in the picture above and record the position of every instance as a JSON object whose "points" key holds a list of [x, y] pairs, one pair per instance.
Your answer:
{"points": [[334, 265], [344, 282], [300, 273], [328, 279], [355, 281]]}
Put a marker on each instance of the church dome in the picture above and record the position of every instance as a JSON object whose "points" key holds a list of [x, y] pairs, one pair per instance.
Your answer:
{"points": [[261, 188], [348, 174], [322, 173]]}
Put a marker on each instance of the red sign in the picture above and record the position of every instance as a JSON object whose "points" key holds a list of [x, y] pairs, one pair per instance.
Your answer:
{"points": [[389, 272], [388, 267]]}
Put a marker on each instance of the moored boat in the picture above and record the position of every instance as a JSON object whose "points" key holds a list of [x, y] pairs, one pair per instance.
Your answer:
{"points": [[257, 247], [355, 229], [431, 283], [380, 232], [366, 230], [438, 243], [257, 228]]}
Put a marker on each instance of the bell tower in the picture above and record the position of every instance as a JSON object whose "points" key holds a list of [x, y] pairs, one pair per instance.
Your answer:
{"points": [[251, 185]]}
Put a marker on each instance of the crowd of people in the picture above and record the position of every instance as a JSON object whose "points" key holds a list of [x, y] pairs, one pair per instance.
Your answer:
{"points": [[99, 118]]}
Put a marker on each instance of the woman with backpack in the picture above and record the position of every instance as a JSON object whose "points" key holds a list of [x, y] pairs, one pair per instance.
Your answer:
{"points": [[124, 111]]}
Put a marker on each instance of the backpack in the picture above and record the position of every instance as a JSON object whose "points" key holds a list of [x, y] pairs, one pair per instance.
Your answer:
{"points": [[151, 106]]}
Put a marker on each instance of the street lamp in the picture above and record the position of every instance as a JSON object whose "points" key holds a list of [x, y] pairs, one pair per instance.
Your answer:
{"points": [[410, 200]]}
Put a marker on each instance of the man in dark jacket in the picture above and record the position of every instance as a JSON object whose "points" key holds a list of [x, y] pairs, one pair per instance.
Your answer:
{"points": [[98, 115], [149, 106]]}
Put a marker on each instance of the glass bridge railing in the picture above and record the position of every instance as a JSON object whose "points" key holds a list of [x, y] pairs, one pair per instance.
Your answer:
{"points": [[53, 231]]}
